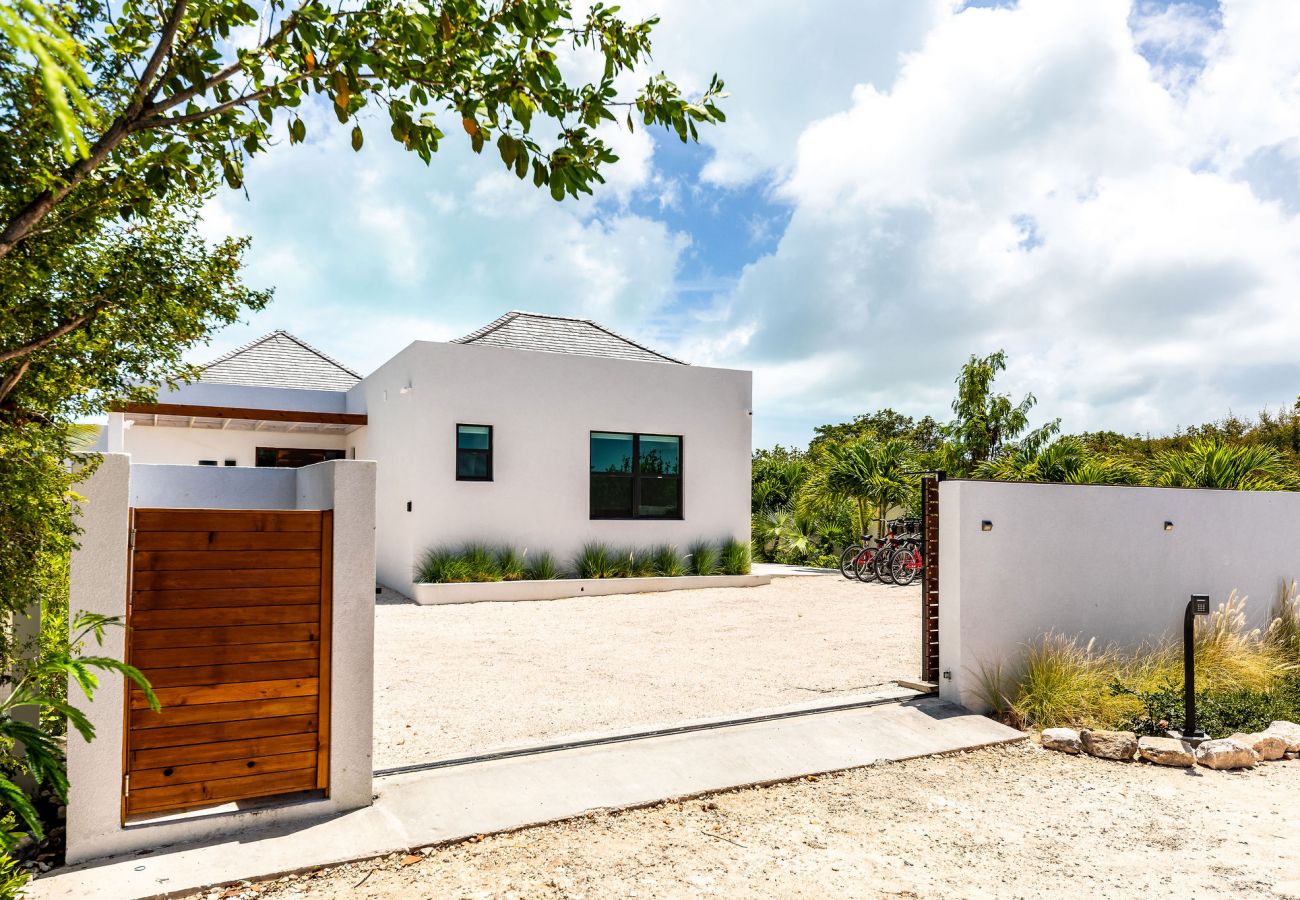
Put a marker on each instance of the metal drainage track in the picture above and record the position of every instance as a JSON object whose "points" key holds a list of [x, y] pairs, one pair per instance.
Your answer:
{"points": [[633, 736]]}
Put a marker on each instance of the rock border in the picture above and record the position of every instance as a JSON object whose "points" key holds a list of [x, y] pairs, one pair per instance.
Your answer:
{"points": [[1279, 741]]}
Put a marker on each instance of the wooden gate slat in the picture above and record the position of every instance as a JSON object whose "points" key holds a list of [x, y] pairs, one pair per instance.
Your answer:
{"points": [[226, 768], [229, 618], [224, 520], [281, 614], [236, 635], [196, 560], [197, 695], [240, 711], [227, 540], [227, 578], [224, 655], [149, 738], [223, 750], [232, 674], [207, 598], [204, 793]]}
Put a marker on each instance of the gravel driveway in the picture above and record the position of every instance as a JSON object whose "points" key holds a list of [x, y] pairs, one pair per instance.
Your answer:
{"points": [[1014, 821], [455, 680]]}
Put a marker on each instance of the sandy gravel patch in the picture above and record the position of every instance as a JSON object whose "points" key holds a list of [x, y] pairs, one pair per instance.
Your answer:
{"points": [[1016, 821], [454, 680]]}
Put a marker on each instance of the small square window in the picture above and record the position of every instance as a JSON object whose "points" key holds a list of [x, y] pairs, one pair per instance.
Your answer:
{"points": [[473, 452]]}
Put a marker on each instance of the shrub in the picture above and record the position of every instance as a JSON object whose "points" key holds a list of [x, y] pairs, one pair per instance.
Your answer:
{"points": [[734, 557], [1283, 635], [596, 560], [482, 562], [432, 567], [667, 562], [510, 562], [454, 565], [1063, 683], [1244, 680], [543, 567], [704, 558]]}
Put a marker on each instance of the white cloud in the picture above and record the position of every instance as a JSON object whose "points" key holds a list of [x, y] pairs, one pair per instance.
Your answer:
{"points": [[1030, 182], [371, 250]]}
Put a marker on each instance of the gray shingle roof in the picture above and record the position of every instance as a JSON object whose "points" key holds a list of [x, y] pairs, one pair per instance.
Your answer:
{"points": [[561, 334], [280, 360]]}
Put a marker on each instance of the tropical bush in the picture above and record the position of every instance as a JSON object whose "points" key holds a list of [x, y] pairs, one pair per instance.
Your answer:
{"points": [[1245, 678]]}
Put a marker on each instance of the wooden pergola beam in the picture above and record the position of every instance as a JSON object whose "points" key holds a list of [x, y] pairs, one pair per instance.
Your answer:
{"points": [[240, 412]]}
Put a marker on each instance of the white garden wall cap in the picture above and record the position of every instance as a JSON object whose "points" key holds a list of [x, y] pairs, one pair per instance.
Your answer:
{"points": [[280, 359], [518, 330]]}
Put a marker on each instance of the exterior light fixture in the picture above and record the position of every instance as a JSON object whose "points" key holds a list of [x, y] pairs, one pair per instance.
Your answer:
{"points": [[986, 525], [1169, 526], [1199, 605]]}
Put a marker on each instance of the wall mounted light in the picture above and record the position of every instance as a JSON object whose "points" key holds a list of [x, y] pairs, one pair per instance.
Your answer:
{"points": [[986, 525], [1169, 526]]}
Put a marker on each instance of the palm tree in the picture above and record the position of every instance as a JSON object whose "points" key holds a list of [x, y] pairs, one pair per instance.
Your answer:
{"points": [[1216, 464], [1065, 460], [867, 472]]}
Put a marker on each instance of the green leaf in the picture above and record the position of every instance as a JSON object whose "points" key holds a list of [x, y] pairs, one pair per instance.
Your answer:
{"points": [[357, 137], [13, 797]]}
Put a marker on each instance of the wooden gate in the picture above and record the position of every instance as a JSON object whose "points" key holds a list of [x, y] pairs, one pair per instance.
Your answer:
{"points": [[930, 579], [229, 619]]}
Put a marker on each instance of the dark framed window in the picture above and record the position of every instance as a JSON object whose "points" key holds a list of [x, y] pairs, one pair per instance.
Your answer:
{"points": [[473, 452], [636, 476], [293, 457]]}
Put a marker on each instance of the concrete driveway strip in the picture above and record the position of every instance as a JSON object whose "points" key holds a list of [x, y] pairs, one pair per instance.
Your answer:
{"points": [[456, 802]]}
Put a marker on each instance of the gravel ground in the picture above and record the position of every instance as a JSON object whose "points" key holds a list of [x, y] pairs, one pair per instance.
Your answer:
{"points": [[1014, 821], [459, 679]]}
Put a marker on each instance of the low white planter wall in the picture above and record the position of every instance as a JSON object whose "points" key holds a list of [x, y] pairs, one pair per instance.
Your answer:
{"points": [[498, 591]]}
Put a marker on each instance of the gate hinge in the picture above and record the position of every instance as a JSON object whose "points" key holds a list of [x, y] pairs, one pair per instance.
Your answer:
{"points": [[131, 541], [126, 785]]}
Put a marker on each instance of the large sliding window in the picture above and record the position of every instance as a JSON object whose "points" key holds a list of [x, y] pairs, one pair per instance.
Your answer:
{"points": [[636, 476], [473, 452]]}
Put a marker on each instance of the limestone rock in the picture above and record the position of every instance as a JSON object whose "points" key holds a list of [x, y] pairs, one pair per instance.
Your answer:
{"points": [[1287, 731], [1165, 751], [1064, 739], [1121, 745], [1268, 746], [1226, 753]]}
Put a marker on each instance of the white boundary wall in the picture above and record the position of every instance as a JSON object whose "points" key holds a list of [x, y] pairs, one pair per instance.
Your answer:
{"points": [[1096, 561], [561, 588], [99, 584]]}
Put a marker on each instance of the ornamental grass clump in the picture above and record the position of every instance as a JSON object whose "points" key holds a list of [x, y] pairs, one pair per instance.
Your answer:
{"points": [[1063, 682], [482, 562], [596, 560], [667, 562], [543, 567], [734, 557], [434, 566], [1244, 678], [510, 562], [704, 558], [1283, 635]]}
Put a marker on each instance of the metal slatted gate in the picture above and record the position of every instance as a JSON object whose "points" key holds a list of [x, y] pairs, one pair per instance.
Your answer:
{"points": [[930, 579], [229, 619]]}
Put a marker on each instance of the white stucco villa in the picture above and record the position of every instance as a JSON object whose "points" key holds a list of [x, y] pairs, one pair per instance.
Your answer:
{"points": [[541, 431]]}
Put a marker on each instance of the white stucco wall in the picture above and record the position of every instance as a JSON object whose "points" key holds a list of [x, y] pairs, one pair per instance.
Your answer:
{"points": [[203, 487], [543, 407], [256, 397], [1096, 561], [99, 584], [155, 445]]}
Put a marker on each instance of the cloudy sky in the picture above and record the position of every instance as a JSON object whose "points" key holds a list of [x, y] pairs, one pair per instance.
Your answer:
{"points": [[1108, 190]]}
